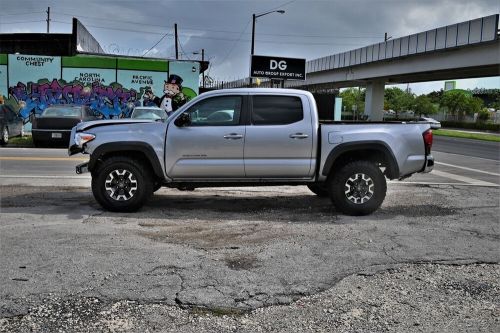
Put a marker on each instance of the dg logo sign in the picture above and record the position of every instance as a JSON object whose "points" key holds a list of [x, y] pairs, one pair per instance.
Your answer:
{"points": [[278, 64], [278, 68]]}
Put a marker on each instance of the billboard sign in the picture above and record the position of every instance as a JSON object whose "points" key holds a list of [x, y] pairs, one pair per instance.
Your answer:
{"points": [[278, 68]]}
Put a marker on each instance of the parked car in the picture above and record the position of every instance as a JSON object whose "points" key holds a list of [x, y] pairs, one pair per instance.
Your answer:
{"points": [[53, 126], [10, 124], [149, 112], [433, 122]]}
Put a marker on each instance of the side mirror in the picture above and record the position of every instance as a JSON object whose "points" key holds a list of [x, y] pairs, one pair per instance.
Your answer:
{"points": [[183, 120]]}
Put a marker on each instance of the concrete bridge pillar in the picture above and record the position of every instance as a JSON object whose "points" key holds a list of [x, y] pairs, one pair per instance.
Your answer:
{"points": [[374, 100]]}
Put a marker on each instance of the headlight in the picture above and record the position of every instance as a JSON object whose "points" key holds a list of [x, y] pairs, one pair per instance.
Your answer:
{"points": [[83, 138]]}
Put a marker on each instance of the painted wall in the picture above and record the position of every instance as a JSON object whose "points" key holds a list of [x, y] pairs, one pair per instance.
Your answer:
{"points": [[112, 86]]}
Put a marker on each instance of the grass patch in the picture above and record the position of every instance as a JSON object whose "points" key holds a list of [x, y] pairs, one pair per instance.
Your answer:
{"points": [[466, 135], [21, 141]]}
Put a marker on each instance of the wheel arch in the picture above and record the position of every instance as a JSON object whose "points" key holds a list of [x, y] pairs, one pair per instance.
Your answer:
{"points": [[376, 151], [139, 150]]}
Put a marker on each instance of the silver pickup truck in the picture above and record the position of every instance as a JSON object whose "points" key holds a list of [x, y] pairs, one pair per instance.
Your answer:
{"points": [[250, 137]]}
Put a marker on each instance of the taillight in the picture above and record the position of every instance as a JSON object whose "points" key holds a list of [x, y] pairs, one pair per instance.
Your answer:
{"points": [[427, 141]]}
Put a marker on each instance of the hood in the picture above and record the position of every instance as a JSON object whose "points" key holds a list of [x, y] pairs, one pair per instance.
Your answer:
{"points": [[97, 123]]}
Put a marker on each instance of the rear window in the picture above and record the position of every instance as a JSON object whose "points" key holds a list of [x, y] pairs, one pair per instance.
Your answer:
{"points": [[276, 110], [70, 112]]}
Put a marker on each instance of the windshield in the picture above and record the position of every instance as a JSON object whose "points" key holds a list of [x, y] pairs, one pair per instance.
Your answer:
{"points": [[149, 114], [65, 112]]}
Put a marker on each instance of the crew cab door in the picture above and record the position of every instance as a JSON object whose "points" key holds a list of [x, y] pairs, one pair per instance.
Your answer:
{"points": [[279, 138], [211, 146]]}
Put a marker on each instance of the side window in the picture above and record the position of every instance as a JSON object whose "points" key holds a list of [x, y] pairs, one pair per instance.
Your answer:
{"points": [[216, 111], [276, 110]]}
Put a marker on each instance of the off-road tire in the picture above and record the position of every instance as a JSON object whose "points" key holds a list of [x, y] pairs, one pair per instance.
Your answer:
{"points": [[4, 138], [344, 188], [320, 189], [122, 171]]}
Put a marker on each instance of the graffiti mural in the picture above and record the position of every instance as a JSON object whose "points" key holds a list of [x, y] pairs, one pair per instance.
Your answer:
{"points": [[111, 101], [111, 86]]}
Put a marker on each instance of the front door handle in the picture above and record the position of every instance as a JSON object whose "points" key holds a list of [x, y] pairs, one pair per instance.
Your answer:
{"points": [[233, 136], [299, 136]]}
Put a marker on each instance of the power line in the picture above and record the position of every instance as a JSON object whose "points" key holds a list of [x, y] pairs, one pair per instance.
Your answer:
{"points": [[281, 6], [12, 22], [285, 35], [184, 52], [152, 47], [117, 29], [236, 41], [109, 19], [219, 31], [17, 14], [219, 38]]}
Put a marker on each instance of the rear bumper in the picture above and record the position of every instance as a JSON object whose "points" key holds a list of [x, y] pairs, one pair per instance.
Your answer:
{"points": [[51, 135], [429, 164]]}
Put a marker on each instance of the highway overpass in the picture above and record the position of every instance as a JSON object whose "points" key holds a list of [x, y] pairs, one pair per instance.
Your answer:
{"points": [[464, 50]]}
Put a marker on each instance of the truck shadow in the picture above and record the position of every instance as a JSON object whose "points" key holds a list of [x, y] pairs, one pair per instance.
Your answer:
{"points": [[226, 205]]}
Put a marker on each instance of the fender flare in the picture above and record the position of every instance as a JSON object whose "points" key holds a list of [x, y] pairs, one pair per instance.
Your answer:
{"points": [[375, 145], [128, 146]]}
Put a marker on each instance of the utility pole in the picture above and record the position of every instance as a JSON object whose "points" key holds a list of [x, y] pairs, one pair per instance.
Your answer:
{"points": [[48, 19], [386, 38], [203, 72], [176, 43]]}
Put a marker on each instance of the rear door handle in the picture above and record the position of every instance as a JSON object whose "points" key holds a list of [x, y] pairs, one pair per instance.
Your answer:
{"points": [[233, 136], [299, 136]]}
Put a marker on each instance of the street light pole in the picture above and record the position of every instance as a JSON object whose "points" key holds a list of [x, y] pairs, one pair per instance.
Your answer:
{"points": [[253, 34], [254, 18], [202, 61]]}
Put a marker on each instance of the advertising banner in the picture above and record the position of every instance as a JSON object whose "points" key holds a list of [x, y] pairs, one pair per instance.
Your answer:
{"points": [[278, 68]]}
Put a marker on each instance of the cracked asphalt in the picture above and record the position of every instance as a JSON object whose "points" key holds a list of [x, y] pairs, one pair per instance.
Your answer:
{"points": [[230, 251]]}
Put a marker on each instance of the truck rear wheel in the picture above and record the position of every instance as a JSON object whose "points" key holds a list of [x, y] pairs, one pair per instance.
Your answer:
{"points": [[358, 188], [122, 184]]}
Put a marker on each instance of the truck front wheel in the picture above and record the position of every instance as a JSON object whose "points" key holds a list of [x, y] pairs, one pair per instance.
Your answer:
{"points": [[122, 184], [358, 188]]}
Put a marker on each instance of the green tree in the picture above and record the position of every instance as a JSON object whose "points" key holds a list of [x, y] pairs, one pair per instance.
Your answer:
{"points": [[483, 115], [351, 97], [398, 100], [435, 96], [460, 103], [424, 106], [473, 105]]}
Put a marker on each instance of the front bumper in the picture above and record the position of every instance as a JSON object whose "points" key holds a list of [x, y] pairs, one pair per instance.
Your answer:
{"points": [[82, 168]]}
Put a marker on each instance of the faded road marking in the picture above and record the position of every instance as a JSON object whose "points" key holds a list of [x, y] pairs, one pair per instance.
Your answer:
{"points": [[24, 158], [468, 169], [462, 178]]}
